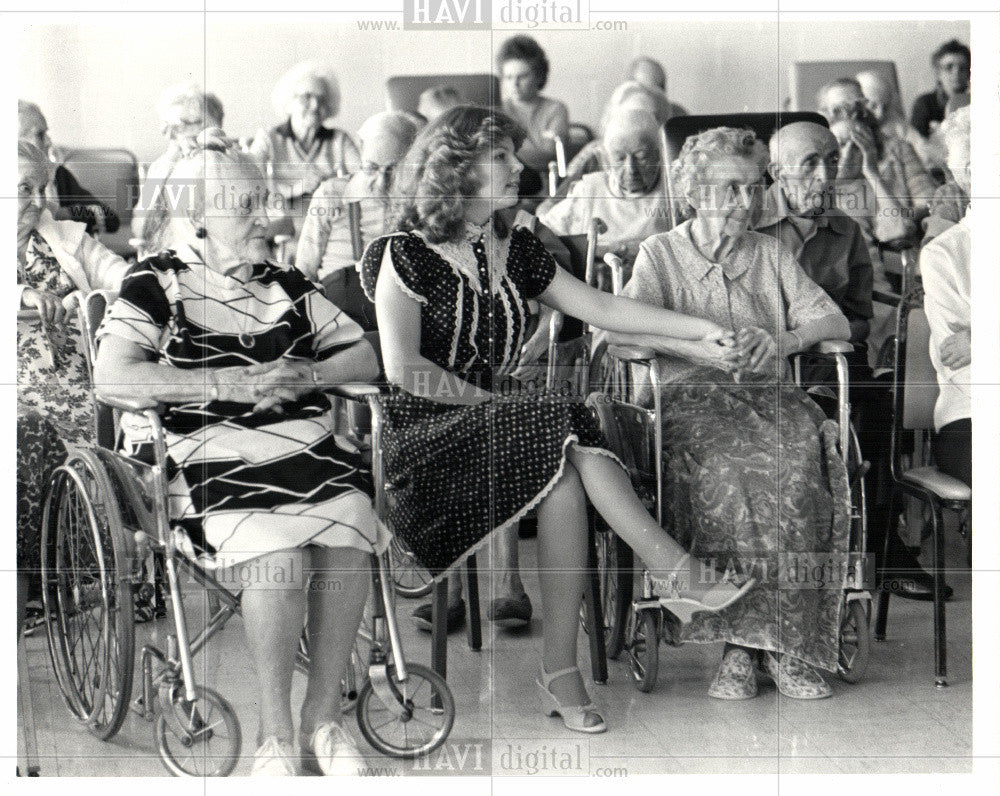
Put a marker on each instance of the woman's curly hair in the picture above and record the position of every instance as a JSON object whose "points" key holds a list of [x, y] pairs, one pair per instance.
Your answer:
{"points": [[438, 173], [700, 150]]}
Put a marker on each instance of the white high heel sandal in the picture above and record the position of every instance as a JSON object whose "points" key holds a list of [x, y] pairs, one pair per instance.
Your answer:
{"points": [[573, 716], [676, 595]]}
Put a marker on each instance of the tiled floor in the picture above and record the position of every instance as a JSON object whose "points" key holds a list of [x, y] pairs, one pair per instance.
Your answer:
{"points": [[893, 721]]}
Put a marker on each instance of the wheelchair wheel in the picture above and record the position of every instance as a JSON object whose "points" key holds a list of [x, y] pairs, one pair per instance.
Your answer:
{"points": [[615, 576], [90, 626], [199, 738], [409, 578], [415, 723], [643, 646], [852, 657]]}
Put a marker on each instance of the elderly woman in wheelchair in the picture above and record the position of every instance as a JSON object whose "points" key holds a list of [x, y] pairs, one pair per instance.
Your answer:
{"points": [[750, 465], [237, 350]]}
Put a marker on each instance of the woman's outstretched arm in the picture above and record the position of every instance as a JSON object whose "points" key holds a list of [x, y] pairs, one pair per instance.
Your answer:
{"points": [[619, 314]]}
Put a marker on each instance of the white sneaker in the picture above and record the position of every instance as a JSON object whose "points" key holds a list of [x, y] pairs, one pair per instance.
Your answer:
{"points": [[274, 758], [334, 752]]}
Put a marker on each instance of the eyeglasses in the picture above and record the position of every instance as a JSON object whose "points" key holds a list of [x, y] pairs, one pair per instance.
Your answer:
{"points": [[373, 169]]}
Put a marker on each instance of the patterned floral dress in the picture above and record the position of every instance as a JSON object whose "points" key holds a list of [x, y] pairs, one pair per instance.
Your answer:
{"points": [[60, 392], [457, 473], [251, 483], [751, 469]]}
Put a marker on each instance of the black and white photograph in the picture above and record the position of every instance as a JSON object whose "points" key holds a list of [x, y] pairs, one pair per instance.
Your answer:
{"points": [[502, 390]]}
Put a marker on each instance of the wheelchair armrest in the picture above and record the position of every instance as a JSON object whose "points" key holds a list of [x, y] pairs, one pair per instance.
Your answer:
{"points": [[355, 391], [137, 405], [631, 353], [830, 347], [28, 315], [892, 299]]}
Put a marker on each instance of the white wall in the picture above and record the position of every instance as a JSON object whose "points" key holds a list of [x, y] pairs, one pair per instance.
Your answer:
{"points": [[98, 84]]}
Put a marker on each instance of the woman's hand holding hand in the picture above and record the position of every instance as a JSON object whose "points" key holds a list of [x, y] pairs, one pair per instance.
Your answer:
{"points": [[50, 307], [718, 353], [266, 385], [755, 346], [956, 350]]}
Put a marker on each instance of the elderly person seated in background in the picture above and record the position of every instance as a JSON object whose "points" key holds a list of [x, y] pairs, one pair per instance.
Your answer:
{"points": [[325, 252], [54, 258], [651, 73], [185, 109], [946, 269], [238, 350], [737, 433], [436, 100], [898, 164], [301, 152], [952, 63], [628, 197], [68, 198], [951, 200], [524, 71], [800, 211], [631, 95]]}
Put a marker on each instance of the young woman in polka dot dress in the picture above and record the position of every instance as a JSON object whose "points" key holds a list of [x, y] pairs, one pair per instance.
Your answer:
{"points": [[451, 291]]}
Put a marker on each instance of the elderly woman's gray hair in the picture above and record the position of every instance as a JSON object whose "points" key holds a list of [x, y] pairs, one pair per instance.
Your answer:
{"points": [[189, 96], [701, 150], [956, 129], [285, 88], [395, 124], [31, 153], [211, 149]]}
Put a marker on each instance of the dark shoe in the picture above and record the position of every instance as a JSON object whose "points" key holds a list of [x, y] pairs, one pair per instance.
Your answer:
{"points": [[456, 617], [736, 678], [510, 612], [917, 587], [794, 678]]}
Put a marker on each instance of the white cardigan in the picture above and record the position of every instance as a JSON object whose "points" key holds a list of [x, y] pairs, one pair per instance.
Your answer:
{"points": [[945, 265], [88, 264]]}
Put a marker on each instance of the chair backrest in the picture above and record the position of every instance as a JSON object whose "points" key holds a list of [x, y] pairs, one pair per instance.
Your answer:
{"points": [[403, 91], [112, 176], [920, 386], [763, 125], [806, 78]]}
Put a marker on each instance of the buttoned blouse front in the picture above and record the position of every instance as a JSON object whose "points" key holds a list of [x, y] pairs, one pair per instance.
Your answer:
{"points": [[473, 296], [758, 284]]}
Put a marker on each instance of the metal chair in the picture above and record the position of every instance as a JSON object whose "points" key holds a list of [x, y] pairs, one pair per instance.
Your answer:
{"points": [[403, 91], [915, 391], [112, 176]]}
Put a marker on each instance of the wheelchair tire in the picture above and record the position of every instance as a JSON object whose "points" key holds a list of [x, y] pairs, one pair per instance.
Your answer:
{"points": [[397, 736], [87, 593], [209, 718], [409, 578], [615, 572], [643, 648], [855, 643]]}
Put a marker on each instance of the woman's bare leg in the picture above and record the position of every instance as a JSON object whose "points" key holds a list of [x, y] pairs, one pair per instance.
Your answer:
{"points": [[562, 558], [505, 559], [274, 608], [610, 490], [336, 603]]}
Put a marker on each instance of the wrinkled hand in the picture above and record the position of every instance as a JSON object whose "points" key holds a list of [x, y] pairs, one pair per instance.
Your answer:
{"points": [[50, 307], [865, 141], [956, 350], [754, 346], [719, 353], [266, 385]]}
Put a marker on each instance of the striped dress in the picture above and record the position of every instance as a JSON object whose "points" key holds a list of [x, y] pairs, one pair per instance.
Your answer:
{"points": [[250, 483]]}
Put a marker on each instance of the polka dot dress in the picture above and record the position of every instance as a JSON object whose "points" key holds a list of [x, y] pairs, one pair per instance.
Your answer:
{"points": [[457, 473]]}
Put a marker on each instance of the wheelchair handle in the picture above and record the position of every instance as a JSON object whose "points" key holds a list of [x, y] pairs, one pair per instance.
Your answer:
{"points": [[631, 353]]}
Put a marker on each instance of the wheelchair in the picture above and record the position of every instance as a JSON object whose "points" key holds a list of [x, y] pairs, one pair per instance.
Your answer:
{"points": [[103, 515], [636, 624]]}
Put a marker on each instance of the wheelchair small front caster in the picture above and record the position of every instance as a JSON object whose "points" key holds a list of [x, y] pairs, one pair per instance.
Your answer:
{"points": [[199, 738], [642, 645]]}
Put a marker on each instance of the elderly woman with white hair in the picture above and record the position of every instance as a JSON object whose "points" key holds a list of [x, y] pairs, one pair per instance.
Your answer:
{"points": [[751, 468], [628, 196], [185, 109], [301, 152], [325, 250], [238, 351], [951, 200]]}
